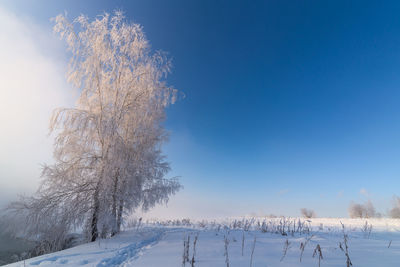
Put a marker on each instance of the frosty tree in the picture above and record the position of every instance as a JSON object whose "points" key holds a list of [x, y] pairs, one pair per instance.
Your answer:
{"points": [[108, 157], [366, 210]]}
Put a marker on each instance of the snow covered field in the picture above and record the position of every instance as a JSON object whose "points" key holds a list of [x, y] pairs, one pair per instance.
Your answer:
{"points": [[162, 244]]}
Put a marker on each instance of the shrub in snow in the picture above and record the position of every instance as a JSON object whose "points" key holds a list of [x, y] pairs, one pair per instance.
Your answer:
{"points": [[307, 213], [366, 210], [395, 211]]}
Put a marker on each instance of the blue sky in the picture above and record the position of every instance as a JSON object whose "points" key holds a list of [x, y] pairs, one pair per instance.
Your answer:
{"points": [[289, 104]]}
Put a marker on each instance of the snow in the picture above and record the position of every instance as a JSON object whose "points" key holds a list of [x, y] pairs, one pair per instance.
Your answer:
{"points": [[161, 244]]}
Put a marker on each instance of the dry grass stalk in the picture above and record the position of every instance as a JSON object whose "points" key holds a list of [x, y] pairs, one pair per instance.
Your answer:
{"points": [[184, 252], [303, 246], [346, 247], [252, 251], [242, 243], [194, 250], [226, 244], [186, 244], [286, 247], [317, 251], [367, 228]]}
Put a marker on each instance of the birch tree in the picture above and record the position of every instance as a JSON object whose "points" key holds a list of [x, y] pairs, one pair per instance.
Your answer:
{"points": [[108, 157]]}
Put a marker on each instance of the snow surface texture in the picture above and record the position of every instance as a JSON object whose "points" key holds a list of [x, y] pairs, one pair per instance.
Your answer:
{"points": [[162, 244]]}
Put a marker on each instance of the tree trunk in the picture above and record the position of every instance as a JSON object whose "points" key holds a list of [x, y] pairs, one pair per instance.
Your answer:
{"points": [[119, 219], [95, 215], [115, 229]]}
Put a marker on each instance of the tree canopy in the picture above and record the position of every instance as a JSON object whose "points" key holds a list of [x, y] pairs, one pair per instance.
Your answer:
{"points": [[107, 151]]}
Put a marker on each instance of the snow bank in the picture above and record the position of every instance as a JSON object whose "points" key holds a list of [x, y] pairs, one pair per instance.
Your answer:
{"points": [[161, 244]]}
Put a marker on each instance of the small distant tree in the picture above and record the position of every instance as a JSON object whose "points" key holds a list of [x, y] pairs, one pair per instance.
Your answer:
{"points": [[370, 211], [366, 210], [307, 213], [356, 210], [395, 211]]}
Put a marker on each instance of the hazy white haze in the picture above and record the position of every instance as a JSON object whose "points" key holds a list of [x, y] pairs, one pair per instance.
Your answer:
{"points": [[32, 84]]}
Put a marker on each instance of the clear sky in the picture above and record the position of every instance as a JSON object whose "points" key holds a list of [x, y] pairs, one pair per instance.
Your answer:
{"points": [[289, 104]]}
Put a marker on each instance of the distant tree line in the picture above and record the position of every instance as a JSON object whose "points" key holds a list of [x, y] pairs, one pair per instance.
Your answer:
{"points": [[362, 210]]}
